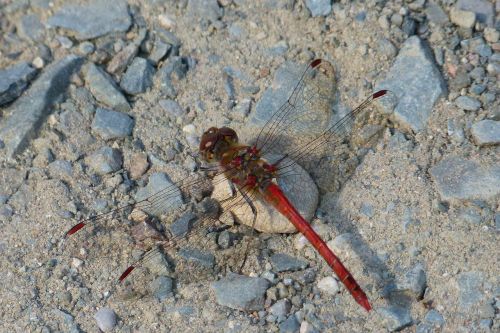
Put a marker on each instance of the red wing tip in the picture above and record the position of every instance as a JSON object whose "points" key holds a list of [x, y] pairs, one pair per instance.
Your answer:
{"points": [[315, 63], [75, 229], [126, 273], [379, 93]]}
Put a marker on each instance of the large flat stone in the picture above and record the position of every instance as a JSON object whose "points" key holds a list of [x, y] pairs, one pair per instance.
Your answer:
{"points": [[97, 18], [28, 113], [417, 83]]}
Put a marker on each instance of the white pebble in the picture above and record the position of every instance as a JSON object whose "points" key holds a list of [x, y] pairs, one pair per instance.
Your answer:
{"points": [[75, 262], [106, 319], [38, 63], [166, 21], [328, 285], [189, 129]]}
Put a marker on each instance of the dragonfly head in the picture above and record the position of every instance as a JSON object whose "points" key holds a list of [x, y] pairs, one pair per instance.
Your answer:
{"points": [[215, 142]]}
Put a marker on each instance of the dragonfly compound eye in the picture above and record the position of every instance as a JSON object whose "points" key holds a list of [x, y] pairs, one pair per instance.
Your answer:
{"points": [[228, 134]]}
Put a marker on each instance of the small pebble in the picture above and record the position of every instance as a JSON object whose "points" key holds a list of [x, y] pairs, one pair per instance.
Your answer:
{"points": [[328, 285], [468, 103], [106, 319]]}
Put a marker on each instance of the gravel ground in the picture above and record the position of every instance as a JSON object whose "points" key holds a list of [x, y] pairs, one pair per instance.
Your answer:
{"points": [[102, 105]]}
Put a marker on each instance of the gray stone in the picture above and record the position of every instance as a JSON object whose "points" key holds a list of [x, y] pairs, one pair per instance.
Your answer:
{"points": [[477, 89], [280, 309], [497, 221], [415, 281], [469, 284], [290, 325], [86, 48], [483, 9], [386, 48], [468, 103], [202, 258], [161, 287], [319, 7], [283, 262], [106, 319], [61, 169], [172, 108], [28, 112], [14, 80], [122, 59], [241, 292], [95, 19], [105, 160], [65, 42], [111, 124], [138, 77], [225, 239], [366, 209], [434, 319], [461, 179], [416, 82], [485, 324], [207, 9], [160, 50], [486, 132], [486, 311], [284, 81], [395, 318], [435, 13], [182, 225], [30, 28], [477, 73], [174, 68], [104, 88], [161, 194]]}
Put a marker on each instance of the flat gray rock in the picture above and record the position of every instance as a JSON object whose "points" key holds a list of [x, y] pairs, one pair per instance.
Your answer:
{"points": [[469, 287], [458, 178], [138, 77], [112, 124], [282, 262], [485, 13], [105, 160], [241, 292], [14, 80], [28, 113], [104, 88], [319, 7], [486, 132], [207, 9], [30, 28], [98, 18], [417, 83], [395, 318], [163, 196]]}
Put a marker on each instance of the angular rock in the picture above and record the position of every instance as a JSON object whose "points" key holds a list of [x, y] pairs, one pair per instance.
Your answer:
{"points": [[138, 77], [284, 81], [283, 262], [105, 160], [395, 318], [485, 13], [163, 196], [61, 169], [28, 113], [281, 308], [319, 7], [182, 225], [414, 281], [435, 13], [434, 319], [290, 325], [104, 88], [161, 287], [207, 9], [202, 258], [95, 19], [241, 292], [138, 165], [172, 108], [160, 50], [122, 59], [461, 179], [14, 80], [174, 68], [111, 124], [486, 132], [106, 319], [417, 83]]}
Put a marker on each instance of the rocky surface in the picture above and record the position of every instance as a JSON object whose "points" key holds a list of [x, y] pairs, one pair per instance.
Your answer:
{"points": [[102, 106]]}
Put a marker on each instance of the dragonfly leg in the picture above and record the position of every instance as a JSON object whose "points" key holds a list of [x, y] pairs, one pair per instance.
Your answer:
{"points": [[249, 202]]}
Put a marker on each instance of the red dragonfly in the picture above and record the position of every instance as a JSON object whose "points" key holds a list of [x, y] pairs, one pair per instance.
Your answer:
{"points": [[254, 177]]}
